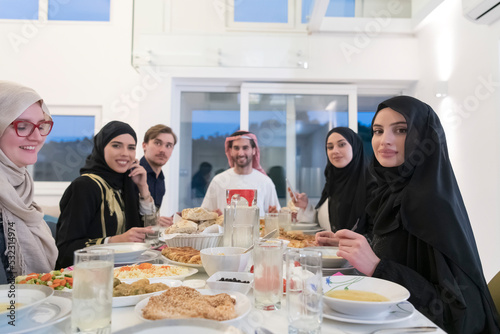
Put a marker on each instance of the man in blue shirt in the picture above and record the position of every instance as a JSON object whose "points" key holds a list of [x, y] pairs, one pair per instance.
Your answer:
{"points": [[158, 145]]}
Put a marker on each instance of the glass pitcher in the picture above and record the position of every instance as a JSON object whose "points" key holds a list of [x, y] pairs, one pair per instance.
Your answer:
{"points": [[241, 222]]}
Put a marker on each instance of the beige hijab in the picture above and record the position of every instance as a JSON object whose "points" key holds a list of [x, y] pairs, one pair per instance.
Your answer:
{"points": [[30, 245]]}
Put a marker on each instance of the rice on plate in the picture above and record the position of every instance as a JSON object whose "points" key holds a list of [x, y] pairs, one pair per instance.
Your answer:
{"points": [[148, 270]]}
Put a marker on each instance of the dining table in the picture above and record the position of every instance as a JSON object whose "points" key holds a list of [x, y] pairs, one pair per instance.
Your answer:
{"points": [[274, 321]]}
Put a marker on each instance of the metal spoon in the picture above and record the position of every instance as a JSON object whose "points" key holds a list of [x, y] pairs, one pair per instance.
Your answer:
{"points": [[267, 236]]}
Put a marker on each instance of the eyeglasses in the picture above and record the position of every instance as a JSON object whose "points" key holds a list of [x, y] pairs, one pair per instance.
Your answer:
{"points": [[26, 128]]}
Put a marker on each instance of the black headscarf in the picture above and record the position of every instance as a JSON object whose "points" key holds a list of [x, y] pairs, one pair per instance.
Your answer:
{"points": [[346, 188], [96, 164], [423, 195]]}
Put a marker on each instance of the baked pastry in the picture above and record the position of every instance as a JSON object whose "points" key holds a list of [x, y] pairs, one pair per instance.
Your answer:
{"points": [[198, 214], [182, 226], [220, 220], [203, 225], [182, 254], [184, 302], [297, 238]]}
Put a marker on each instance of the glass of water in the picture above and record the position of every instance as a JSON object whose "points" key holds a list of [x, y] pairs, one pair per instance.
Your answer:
{"points": [[304, 291], [152, 220], [92, 291], [268, 274], [272, 222]]}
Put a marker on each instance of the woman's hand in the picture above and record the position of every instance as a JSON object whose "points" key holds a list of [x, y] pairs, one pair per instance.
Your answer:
{"points": [[326, 238], [135, 234], [139, 176], [272, 209], [302, 199], [165, 221], [355, 248]]}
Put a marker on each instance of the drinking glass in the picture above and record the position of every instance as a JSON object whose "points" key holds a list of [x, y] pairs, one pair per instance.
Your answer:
{"points": [[241, 223], [268, 274], [271, 222], [152, 220], [92, 291], [304, 292], [285, 220]]}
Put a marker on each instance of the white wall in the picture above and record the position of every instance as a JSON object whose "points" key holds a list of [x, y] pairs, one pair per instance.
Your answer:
{"points": [[466, 54]]}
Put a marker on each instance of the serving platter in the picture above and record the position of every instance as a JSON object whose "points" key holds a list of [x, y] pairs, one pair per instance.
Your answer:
{"points": [[133, 300], [191, 265], [187, 272], [242, 305], [185, 326]]}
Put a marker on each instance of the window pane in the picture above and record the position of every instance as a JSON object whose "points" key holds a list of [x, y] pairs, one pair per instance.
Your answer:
{"points": [[340, 8], [206, 120], [367, 106], [314, 116], [65, 149], [274, 11], [79, 10], [336, 8], [19, 9]]}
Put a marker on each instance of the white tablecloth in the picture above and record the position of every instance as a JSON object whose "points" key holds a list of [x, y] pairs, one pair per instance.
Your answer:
{"points": [[276, 321]]}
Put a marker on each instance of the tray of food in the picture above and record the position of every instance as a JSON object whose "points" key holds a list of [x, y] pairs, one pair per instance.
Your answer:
{"points": [[183, 256], [125, 294], [153, 272]]}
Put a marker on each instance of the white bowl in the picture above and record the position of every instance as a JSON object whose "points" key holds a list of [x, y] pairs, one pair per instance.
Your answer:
{"points": [[224, 259], [364, 309], [197, 241], [215, 283], [26, 296], [329, 257], [125, 251]]}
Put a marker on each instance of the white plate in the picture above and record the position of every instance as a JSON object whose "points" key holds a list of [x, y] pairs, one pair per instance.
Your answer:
{"points": [[304, 226], [184, 326], [125, 251], [27, 297], [48, 313], [242, 306], [348, 269], [132, 300], [398, 312], [148, 255], [182, 264], [190, 271]]}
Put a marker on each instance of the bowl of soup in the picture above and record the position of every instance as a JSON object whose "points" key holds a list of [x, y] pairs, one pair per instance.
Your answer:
{"points": [[361, 296], [17, 300]]}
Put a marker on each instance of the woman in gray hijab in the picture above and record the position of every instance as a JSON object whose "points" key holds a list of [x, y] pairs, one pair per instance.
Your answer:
{"points": [[26, 243]]}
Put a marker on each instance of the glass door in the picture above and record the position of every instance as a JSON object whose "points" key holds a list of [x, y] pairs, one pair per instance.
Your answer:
{"points": [[291, 122]]}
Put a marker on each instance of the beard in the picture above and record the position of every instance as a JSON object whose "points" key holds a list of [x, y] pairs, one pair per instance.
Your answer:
{"points": [[244, 162]]}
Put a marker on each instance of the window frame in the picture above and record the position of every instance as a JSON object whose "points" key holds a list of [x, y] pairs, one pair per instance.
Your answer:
{"points": [[57, 188]]}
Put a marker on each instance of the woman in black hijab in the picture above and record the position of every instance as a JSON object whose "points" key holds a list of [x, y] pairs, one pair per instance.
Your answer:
{"points": [[422, 238], [102, 205], [348, 184]]}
